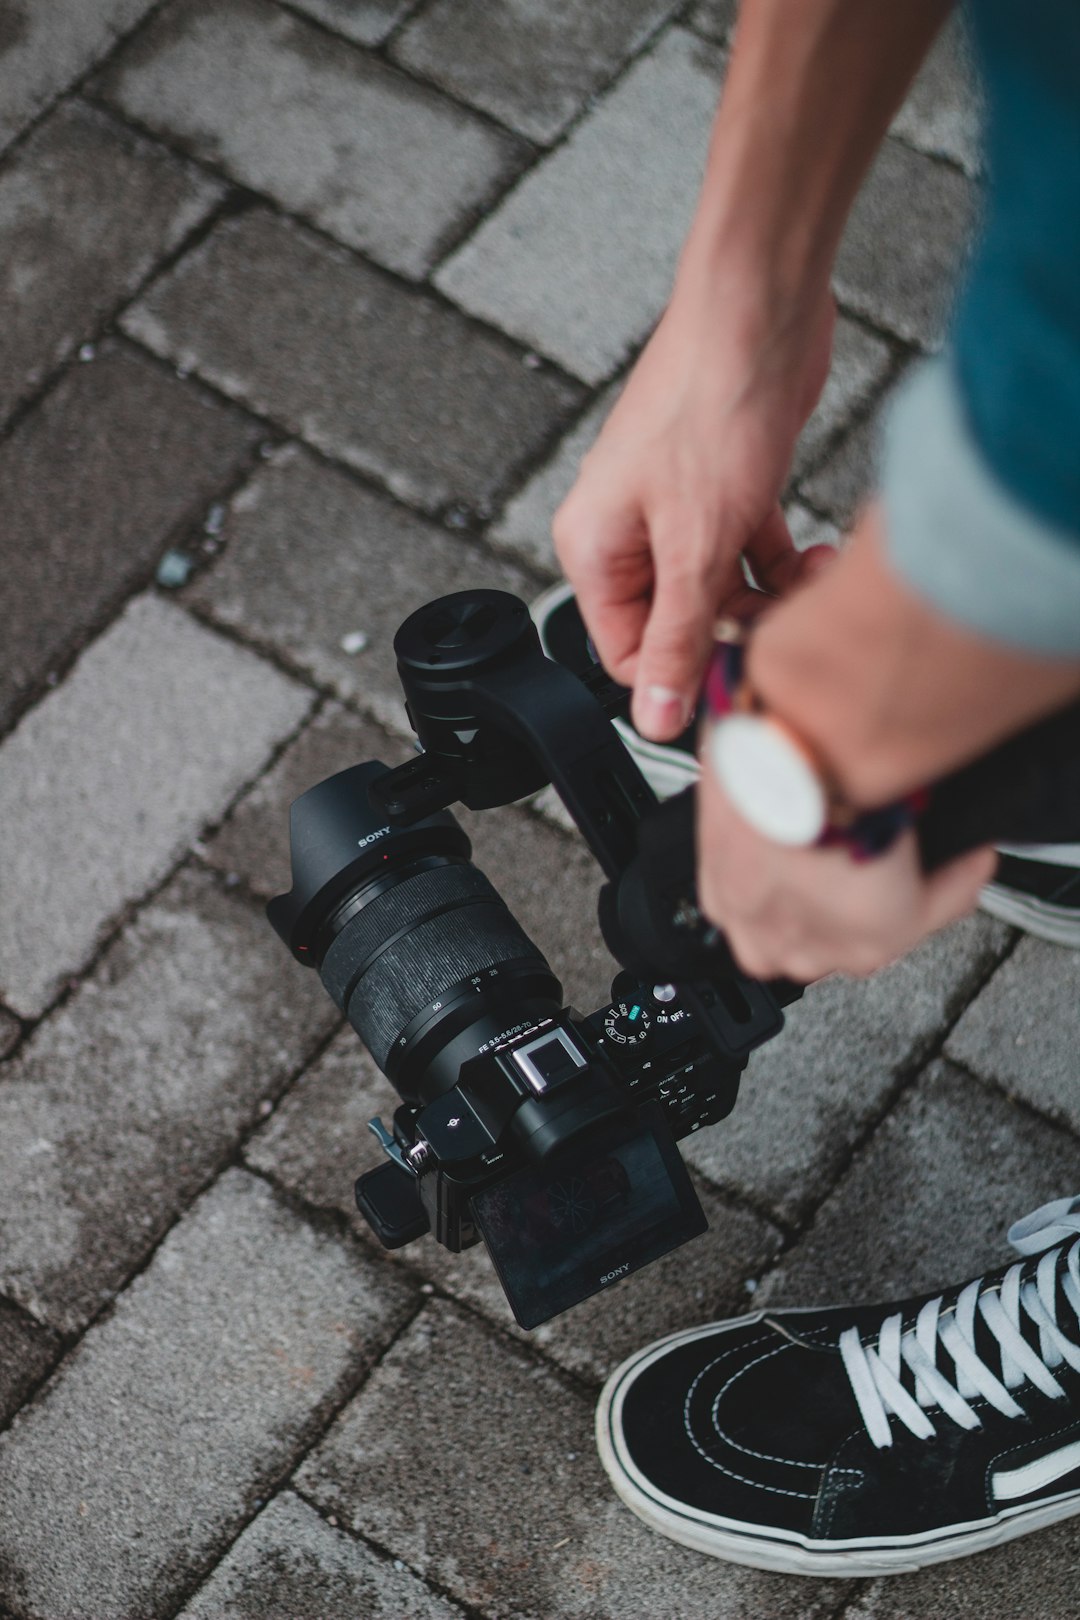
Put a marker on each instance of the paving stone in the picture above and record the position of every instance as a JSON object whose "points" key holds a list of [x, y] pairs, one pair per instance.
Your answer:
{"points": [[46, 44], [904, 243], [808, 1095], [1023, 1031], [537, 1531], [368, 22], [860, 363], [119, 1107], [942, 114], [218, 1366], [1033, 1578], [291, 1565], [579, 259], [927, 1203], [27, 1351], [376, 159], [715, 18], [311, 556], [86, 208], [848, 474], [297, 329], [525, 525], [104, 784], [254, 841], [527, 62], [92, 485]]}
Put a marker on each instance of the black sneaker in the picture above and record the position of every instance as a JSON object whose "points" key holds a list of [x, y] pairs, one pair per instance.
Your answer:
{"points": [[864, 1441], [667, 767], [1037, 893]]}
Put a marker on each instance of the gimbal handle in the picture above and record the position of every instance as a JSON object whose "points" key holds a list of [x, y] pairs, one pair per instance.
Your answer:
{"points": [[498, 720]]}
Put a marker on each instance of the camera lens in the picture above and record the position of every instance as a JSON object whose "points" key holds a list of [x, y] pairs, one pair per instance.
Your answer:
{"points": [[411, 940], [430, 964]]}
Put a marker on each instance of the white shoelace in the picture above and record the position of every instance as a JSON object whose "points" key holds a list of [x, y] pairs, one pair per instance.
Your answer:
{"points": [[875, 1372]]}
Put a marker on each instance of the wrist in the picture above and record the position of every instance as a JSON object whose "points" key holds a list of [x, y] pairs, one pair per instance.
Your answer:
{"points": [[777, 780], [887, 690]]}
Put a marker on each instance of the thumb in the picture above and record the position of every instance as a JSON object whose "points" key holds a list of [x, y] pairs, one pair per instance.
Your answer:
{"points": [[953, 890], [674, 650]]}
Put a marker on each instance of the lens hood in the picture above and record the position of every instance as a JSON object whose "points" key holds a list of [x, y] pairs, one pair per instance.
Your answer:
{"points": [[339, 837]]}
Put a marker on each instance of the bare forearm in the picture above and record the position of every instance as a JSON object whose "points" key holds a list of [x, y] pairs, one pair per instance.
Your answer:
{"points": [[892, 694], [810, 91]]}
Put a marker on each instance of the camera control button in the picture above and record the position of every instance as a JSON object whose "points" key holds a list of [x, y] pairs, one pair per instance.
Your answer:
{"points": [[627, 1024]]}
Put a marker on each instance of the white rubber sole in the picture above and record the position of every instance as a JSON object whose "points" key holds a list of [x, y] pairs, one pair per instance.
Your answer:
{"points": [[1060, 925], [782, 1551], [667, 770]]}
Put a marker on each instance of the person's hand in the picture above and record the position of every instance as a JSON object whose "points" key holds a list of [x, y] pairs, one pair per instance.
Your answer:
{"points": [[804, 913], [682, 484]]}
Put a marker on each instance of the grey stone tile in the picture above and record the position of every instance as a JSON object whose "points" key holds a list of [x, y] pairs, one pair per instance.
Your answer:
{"points": [[525, 525], [848, 474], [904, 243], [715, 18], [124, 1101], [289, 1564], [368, 22], [311, 557], [1030, 1579], [254, 842], [860, 363], [528, 63], [943, 112], [927, 1203], [86, 208], [537, 1533], [26, 1354], [104, 784], [45, 45], [92, 485], [579, 259], [1023, 1031], [300, 331], [807, 1095], [331, 133], [219, 1364]]}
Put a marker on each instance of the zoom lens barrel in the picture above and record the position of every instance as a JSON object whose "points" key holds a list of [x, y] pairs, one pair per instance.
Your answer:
{"points": [[413, 943]]}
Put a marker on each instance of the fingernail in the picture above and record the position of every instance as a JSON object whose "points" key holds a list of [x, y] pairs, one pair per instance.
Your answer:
{"points": [[660, 711]]}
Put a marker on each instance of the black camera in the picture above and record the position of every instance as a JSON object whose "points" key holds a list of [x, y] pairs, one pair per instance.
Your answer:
{"points": [[548, 1133]]}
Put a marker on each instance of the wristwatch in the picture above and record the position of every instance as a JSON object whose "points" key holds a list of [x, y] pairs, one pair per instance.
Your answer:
{"points": [[777, 781]]}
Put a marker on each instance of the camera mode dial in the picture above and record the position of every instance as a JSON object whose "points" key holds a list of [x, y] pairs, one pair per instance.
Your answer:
{"points": [[627, 1023]]}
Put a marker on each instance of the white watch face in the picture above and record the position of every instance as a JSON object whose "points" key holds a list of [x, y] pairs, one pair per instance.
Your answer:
{"points": [[768, 779]]}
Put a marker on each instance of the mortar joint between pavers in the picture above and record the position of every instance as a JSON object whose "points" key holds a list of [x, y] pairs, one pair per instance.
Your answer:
{"points": [[76, 85], [313, 1434], [1058, 1121], [387, 1555], [649, 45], [905, 1081]]}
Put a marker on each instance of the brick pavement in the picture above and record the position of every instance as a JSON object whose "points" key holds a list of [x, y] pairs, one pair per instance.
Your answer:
{"points": [[331, 296]]}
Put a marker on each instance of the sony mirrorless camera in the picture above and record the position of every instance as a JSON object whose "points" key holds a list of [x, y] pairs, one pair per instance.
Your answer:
{"points": [[549, 1133]]}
